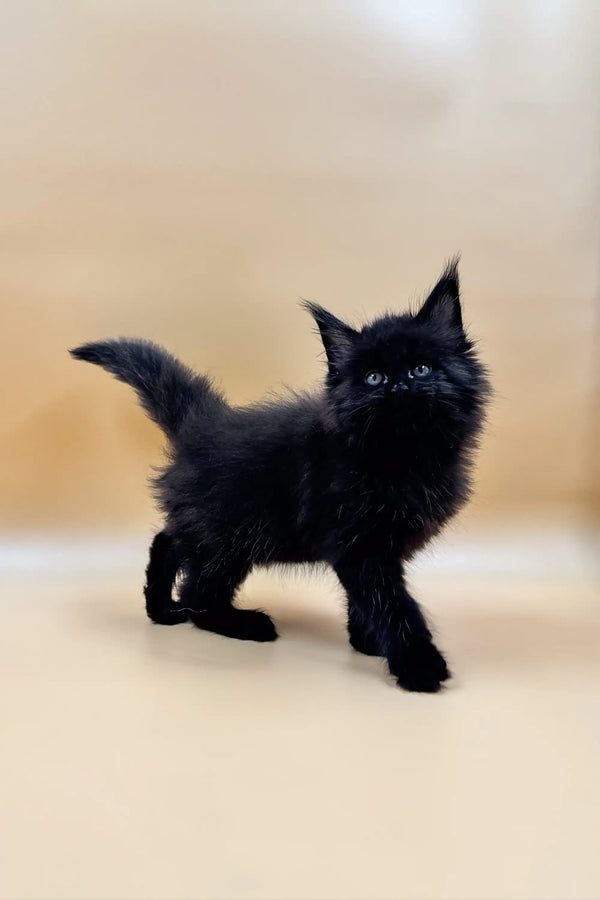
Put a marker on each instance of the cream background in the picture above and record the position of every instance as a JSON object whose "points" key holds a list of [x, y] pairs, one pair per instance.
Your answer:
{"points": [[184, 171]]}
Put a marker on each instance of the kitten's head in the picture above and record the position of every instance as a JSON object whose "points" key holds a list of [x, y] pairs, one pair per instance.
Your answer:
{"points": [[410, 380]]}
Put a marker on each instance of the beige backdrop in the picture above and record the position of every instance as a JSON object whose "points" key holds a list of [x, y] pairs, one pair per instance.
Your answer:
{"points": [[184, 171]]}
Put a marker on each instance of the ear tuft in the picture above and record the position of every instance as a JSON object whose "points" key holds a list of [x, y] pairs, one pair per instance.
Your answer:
{"points": [[443, 303], [338, 338]]}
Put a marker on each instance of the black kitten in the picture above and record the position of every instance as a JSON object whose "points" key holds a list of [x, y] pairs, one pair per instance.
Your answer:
{"points": [[359, 475]]}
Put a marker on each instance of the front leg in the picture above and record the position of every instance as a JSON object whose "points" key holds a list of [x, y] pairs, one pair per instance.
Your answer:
{"points": [[359, 632], [377, 593]]}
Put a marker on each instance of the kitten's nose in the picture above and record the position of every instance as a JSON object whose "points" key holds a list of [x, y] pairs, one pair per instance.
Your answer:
{"points": [[400, 386]]}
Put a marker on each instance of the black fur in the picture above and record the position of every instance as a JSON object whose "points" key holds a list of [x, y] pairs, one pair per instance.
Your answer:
{"points": [[358, 475]]}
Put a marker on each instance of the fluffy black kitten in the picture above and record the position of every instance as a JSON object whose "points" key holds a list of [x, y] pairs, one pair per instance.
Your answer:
{"points": [[360, 475]]}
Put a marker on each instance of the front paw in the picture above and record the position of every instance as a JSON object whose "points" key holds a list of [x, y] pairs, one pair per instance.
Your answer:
{"points": [[364, 643], [419, 666]]}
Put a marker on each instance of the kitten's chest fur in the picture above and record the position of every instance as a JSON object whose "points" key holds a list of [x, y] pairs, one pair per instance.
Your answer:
{"points": [[396, 510]]}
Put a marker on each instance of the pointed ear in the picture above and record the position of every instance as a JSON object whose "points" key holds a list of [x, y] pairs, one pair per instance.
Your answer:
{"points": [[443, 304], [338, 338]]}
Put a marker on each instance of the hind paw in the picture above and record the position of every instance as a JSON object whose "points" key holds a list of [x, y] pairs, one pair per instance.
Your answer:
{"points": [[168, 615], [242, 624]]}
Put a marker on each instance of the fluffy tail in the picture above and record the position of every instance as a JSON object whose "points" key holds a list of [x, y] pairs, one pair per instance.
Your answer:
{"points": [[167, 389]]}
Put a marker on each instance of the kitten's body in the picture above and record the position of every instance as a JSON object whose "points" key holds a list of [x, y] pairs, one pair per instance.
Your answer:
{"points": [[358, 476], [304, 496]]}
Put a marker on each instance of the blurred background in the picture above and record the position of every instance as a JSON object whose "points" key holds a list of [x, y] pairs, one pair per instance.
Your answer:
{"points": [[185, 171]]}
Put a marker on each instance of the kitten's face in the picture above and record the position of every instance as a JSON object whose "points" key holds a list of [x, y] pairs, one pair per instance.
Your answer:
{"points": [[405, 378]]}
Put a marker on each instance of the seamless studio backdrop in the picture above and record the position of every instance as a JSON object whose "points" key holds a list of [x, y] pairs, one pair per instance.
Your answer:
{"points": [[185, 172]]}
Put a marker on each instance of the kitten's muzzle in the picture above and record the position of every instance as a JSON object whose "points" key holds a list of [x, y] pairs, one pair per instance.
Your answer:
{"points": [[400, 386]]}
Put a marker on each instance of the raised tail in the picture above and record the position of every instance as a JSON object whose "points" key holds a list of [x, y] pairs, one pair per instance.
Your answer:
{"points": [[167, 389]]}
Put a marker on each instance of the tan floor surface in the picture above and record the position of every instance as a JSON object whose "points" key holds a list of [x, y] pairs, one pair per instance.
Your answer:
{"points": [[142, 761]]}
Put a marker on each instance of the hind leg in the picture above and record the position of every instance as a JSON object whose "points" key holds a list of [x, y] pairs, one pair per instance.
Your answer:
{"points": [[207, 594], [160, 576]]}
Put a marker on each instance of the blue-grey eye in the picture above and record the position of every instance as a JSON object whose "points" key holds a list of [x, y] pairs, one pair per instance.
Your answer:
{"points": [[374, 379], [420, 372]]}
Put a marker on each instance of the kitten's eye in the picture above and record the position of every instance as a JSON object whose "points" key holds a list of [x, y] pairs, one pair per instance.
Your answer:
{"points": [[420, 372], [374, 379]]}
